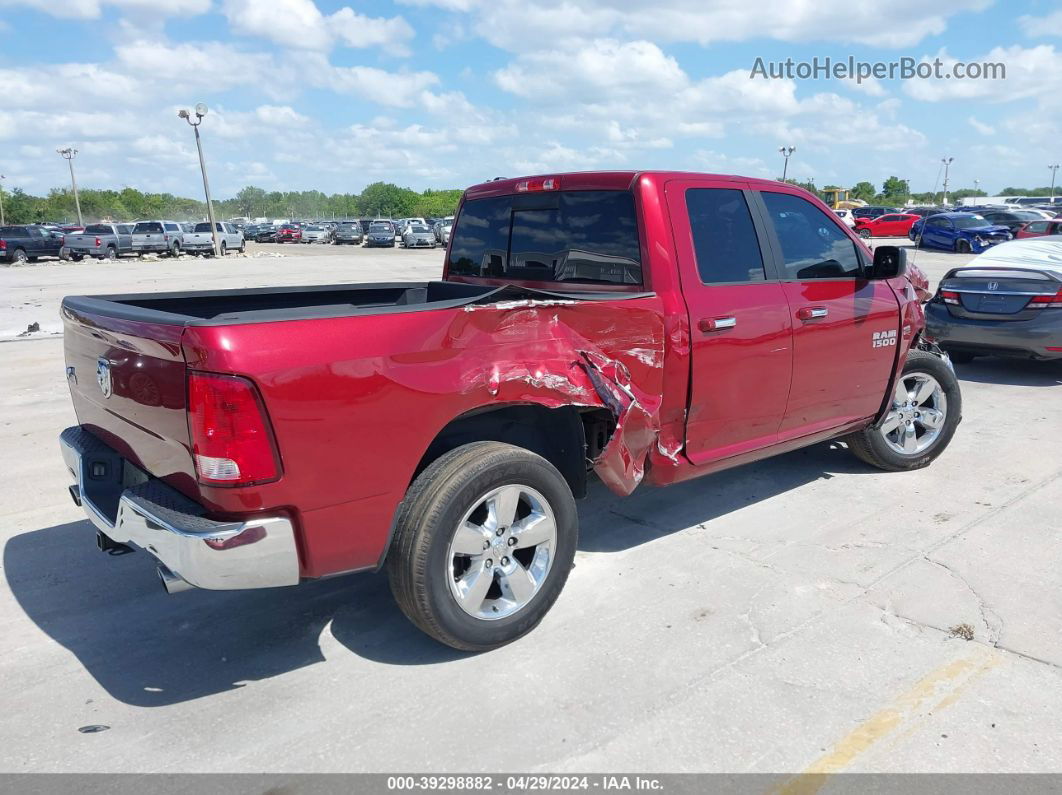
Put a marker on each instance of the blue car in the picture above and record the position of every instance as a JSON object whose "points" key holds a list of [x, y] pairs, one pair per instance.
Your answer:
{"points": [[965, 233]]}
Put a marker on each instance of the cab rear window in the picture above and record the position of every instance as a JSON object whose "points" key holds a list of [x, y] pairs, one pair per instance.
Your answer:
{"points": [[576, 236]]}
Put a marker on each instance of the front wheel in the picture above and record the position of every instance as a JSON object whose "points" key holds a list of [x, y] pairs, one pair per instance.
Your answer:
{"points": [[224, 248], [483, 544], [962, 246], [865, 234], [925, 408]]}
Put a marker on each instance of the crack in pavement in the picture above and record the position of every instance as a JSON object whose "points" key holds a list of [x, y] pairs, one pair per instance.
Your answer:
{"points": [[982, 605]]}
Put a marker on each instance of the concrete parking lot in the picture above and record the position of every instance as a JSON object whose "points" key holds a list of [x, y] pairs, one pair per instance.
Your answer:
{"points": [[803, 614]]}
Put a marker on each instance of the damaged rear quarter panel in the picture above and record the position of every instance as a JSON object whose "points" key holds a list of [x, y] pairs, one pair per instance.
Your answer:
{"points": [[359, 405]]}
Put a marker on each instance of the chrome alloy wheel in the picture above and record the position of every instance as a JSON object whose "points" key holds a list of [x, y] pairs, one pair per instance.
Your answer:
{"points": [[501, 552], [919, 408]]}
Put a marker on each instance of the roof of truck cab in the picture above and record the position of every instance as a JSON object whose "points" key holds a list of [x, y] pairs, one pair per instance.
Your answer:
{"points": [[603, 180]]}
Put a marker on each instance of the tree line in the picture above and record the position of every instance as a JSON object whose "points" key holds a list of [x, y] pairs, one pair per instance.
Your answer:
{"points": [[894, 192], [129, 204]]}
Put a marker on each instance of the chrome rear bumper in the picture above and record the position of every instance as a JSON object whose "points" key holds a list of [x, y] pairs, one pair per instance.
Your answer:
{"points": [[205, 553]]}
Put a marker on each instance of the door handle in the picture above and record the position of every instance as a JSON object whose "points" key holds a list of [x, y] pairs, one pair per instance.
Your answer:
{"points": [[812, 312], [709, 324]]}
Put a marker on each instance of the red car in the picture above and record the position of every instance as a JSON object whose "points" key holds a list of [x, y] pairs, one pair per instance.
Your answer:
{"points": [[1040, 228], [289, 234], [891, 225], [670, 326]]}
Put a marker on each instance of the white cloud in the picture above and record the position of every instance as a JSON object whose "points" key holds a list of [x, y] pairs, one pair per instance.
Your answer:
{"points": [[299, 24], [981, 127], [520, 26], [92, 9], [1030, 72], [1049, 25]]}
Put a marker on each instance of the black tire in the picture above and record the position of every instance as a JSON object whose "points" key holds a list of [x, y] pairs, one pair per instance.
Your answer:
{"points": [[77, 257], [429, 516], [111, 254], [869, 444], [19, 255], [175, 250], [224, 248], [962, 247], [864, 233], [243, 247]]}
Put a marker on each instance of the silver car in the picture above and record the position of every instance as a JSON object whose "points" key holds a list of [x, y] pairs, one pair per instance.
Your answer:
{"points": [[316, 234], [418, 236]]}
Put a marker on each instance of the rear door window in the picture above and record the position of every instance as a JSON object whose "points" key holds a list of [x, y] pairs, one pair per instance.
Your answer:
{"points": [[588, 237], [724, 237], [813, 245]]}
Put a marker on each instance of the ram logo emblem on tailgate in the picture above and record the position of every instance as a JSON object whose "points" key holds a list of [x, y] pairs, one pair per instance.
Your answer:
{"points": [[103, 376]]}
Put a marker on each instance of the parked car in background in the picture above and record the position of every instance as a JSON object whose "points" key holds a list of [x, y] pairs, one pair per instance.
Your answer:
{"points": [[381, 233], [265, 233], [846, 216], [102, 241], [924, 212], [348, 232], [1011, 219], [888, 225], [871, 211], [438, 225], [288, 233], [1005, 302], [160, 237], [201, 241], [445, 226], [1040, 228], [316, 233], [28, 243], [418, 236], [963, 233]]}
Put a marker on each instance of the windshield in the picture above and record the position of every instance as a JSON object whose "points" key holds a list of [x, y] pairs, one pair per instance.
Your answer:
{"points": [[969, 221]]}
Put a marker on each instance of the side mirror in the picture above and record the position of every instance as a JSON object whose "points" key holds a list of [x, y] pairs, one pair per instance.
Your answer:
{"points": [[889, 262]]}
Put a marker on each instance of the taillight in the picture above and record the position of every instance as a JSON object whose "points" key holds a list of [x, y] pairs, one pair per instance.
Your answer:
{"points": [[949, 296], [98, 244], [232, 442], [3, 245], [1047, 301], [544, 183]]}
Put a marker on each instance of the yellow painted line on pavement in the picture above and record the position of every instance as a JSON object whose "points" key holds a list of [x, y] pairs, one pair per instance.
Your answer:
{"points": [[946, 683]]}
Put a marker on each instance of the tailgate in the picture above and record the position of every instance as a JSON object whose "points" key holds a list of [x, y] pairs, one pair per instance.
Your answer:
{"points": [[127, 383]]}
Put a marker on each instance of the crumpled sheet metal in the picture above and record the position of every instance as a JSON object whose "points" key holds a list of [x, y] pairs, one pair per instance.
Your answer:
{"points": [[607, 356]]}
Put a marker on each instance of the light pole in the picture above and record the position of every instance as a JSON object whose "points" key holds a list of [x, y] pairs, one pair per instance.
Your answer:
{"points": [[69, 153], [2, 178], [200, 112], [947, 162], [1054, 170], [977, 186], [786, 152]]}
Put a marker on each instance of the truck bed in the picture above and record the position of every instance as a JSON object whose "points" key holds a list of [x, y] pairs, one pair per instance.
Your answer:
{"points": [[257, 305]]}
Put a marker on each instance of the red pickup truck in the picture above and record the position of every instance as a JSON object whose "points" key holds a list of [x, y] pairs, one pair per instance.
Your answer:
{"points": [[640, 326]]}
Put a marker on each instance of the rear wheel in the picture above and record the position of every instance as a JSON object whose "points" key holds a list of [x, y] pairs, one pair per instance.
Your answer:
{"points": [[224, 248], [920, 421], [962, 246], [483, 544], [175, 250], [111, 253], [77, 257], [20, 256]]}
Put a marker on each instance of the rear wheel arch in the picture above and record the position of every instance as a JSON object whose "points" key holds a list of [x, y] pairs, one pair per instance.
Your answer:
{"points": [[563, 436]]}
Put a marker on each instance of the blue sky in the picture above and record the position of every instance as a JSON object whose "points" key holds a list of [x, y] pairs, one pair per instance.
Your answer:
{"points": [[446, 93]]}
